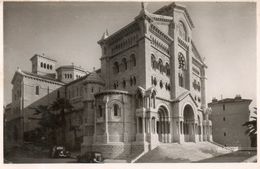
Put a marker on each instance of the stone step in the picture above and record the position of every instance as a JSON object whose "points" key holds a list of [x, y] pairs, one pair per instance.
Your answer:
{"points": [[186, 152]]}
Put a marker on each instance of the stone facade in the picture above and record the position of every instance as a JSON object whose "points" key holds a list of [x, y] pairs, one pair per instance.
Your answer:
{"points": [[154, 86], [150, 88], [228, 116]]}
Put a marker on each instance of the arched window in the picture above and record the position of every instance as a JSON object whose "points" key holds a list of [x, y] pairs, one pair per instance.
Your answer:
{"points": [[161, 84], [155, 81], [37, 90], [44, 65], [47, 66], [181, 60], [100, 111], [133, 60], [167, 69], [198, 86], [70, 75], [182, 31], [124, 63], [153, 61], [153, 99], [58, 94], [41, 64], [134, 80], [131, 81], [124, 83], [160, 63], [51, 67], [116, 67], [181, 80], [116, 110]]}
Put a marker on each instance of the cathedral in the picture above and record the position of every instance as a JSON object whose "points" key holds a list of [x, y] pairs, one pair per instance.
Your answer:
{"points": [[149, 90]]}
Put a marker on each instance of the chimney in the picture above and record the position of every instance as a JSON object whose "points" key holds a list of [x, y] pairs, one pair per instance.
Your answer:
{"points": [[238, 97], [214, 100]]}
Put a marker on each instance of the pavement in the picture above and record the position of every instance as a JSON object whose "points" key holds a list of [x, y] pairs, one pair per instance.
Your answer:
{"points": [[203, 152], [34, 154]]}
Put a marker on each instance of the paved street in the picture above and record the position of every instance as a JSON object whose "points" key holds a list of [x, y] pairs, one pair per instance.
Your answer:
{"points": [[40, 160], [33, 154], [165, 153]]}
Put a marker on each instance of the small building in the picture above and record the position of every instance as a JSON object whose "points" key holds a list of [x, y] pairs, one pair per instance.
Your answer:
{"points": [[228, 116]]}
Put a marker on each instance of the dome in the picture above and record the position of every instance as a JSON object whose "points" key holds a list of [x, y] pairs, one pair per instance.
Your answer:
{"points": [[93, 77]]}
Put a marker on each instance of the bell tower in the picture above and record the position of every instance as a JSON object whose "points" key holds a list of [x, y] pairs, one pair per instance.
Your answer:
{"points": [[43, 65]]}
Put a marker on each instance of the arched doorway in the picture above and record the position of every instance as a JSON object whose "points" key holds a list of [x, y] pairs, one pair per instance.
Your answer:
{"points": [[188, 124], [163, 125]]}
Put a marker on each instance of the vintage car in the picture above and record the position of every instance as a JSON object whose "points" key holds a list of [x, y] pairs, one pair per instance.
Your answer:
{"points": [[59, 152], [90, 157]]}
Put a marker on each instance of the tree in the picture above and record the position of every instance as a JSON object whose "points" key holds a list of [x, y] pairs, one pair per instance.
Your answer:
{"points": [[49, 123], [62, 106], [252, 128]]}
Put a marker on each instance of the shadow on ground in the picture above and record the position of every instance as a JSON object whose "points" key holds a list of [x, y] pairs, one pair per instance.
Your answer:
{"points": [[238, 156]]}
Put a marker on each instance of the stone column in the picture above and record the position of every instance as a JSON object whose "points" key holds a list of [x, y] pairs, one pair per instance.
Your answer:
{"points": [[155, 126], [137, 125], [95, 125], [203, 87], [106, 135], [150, 125], [143, 125]]}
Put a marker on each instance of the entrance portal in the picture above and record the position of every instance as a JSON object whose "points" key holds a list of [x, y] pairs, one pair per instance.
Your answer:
{"points": [[163, 125], [189, 124]]}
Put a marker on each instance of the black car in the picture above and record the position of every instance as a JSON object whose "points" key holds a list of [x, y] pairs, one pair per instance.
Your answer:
{"points": [[90, 157], [59, 152]]}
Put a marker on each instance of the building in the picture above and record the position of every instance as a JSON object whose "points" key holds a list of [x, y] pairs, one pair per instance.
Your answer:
{"points": [[228, 115], [150, 88], [154, 86]]}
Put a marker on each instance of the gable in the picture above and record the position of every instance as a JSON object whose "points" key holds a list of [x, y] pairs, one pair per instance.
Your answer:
{"points": [[186, 96], [17, 77]]}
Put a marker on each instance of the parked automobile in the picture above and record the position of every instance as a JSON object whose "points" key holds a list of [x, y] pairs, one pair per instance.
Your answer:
{"points": [[59, 152], [90, 157]]}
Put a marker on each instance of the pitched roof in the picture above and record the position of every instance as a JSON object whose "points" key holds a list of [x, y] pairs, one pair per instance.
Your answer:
{"points": [[94, 77], [77, 80], [29, 74], [43, 56], [184, 95], [229, 100], [72, 67], [177, 6]]}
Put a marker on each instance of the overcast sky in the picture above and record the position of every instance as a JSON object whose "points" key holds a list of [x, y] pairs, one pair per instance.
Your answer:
{"points": [[224, 33]]}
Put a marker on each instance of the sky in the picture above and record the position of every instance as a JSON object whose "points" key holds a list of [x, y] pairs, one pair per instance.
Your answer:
{"points": [[224, 33]]}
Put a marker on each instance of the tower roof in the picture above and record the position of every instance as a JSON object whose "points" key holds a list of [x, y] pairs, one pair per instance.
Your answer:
{"points": [[105, 35], [174, 5], [71, 67], [93, 77], [43, 56]]}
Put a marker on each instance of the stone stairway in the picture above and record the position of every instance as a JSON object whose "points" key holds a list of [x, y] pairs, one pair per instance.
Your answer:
{"points": [[182, 153]]}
